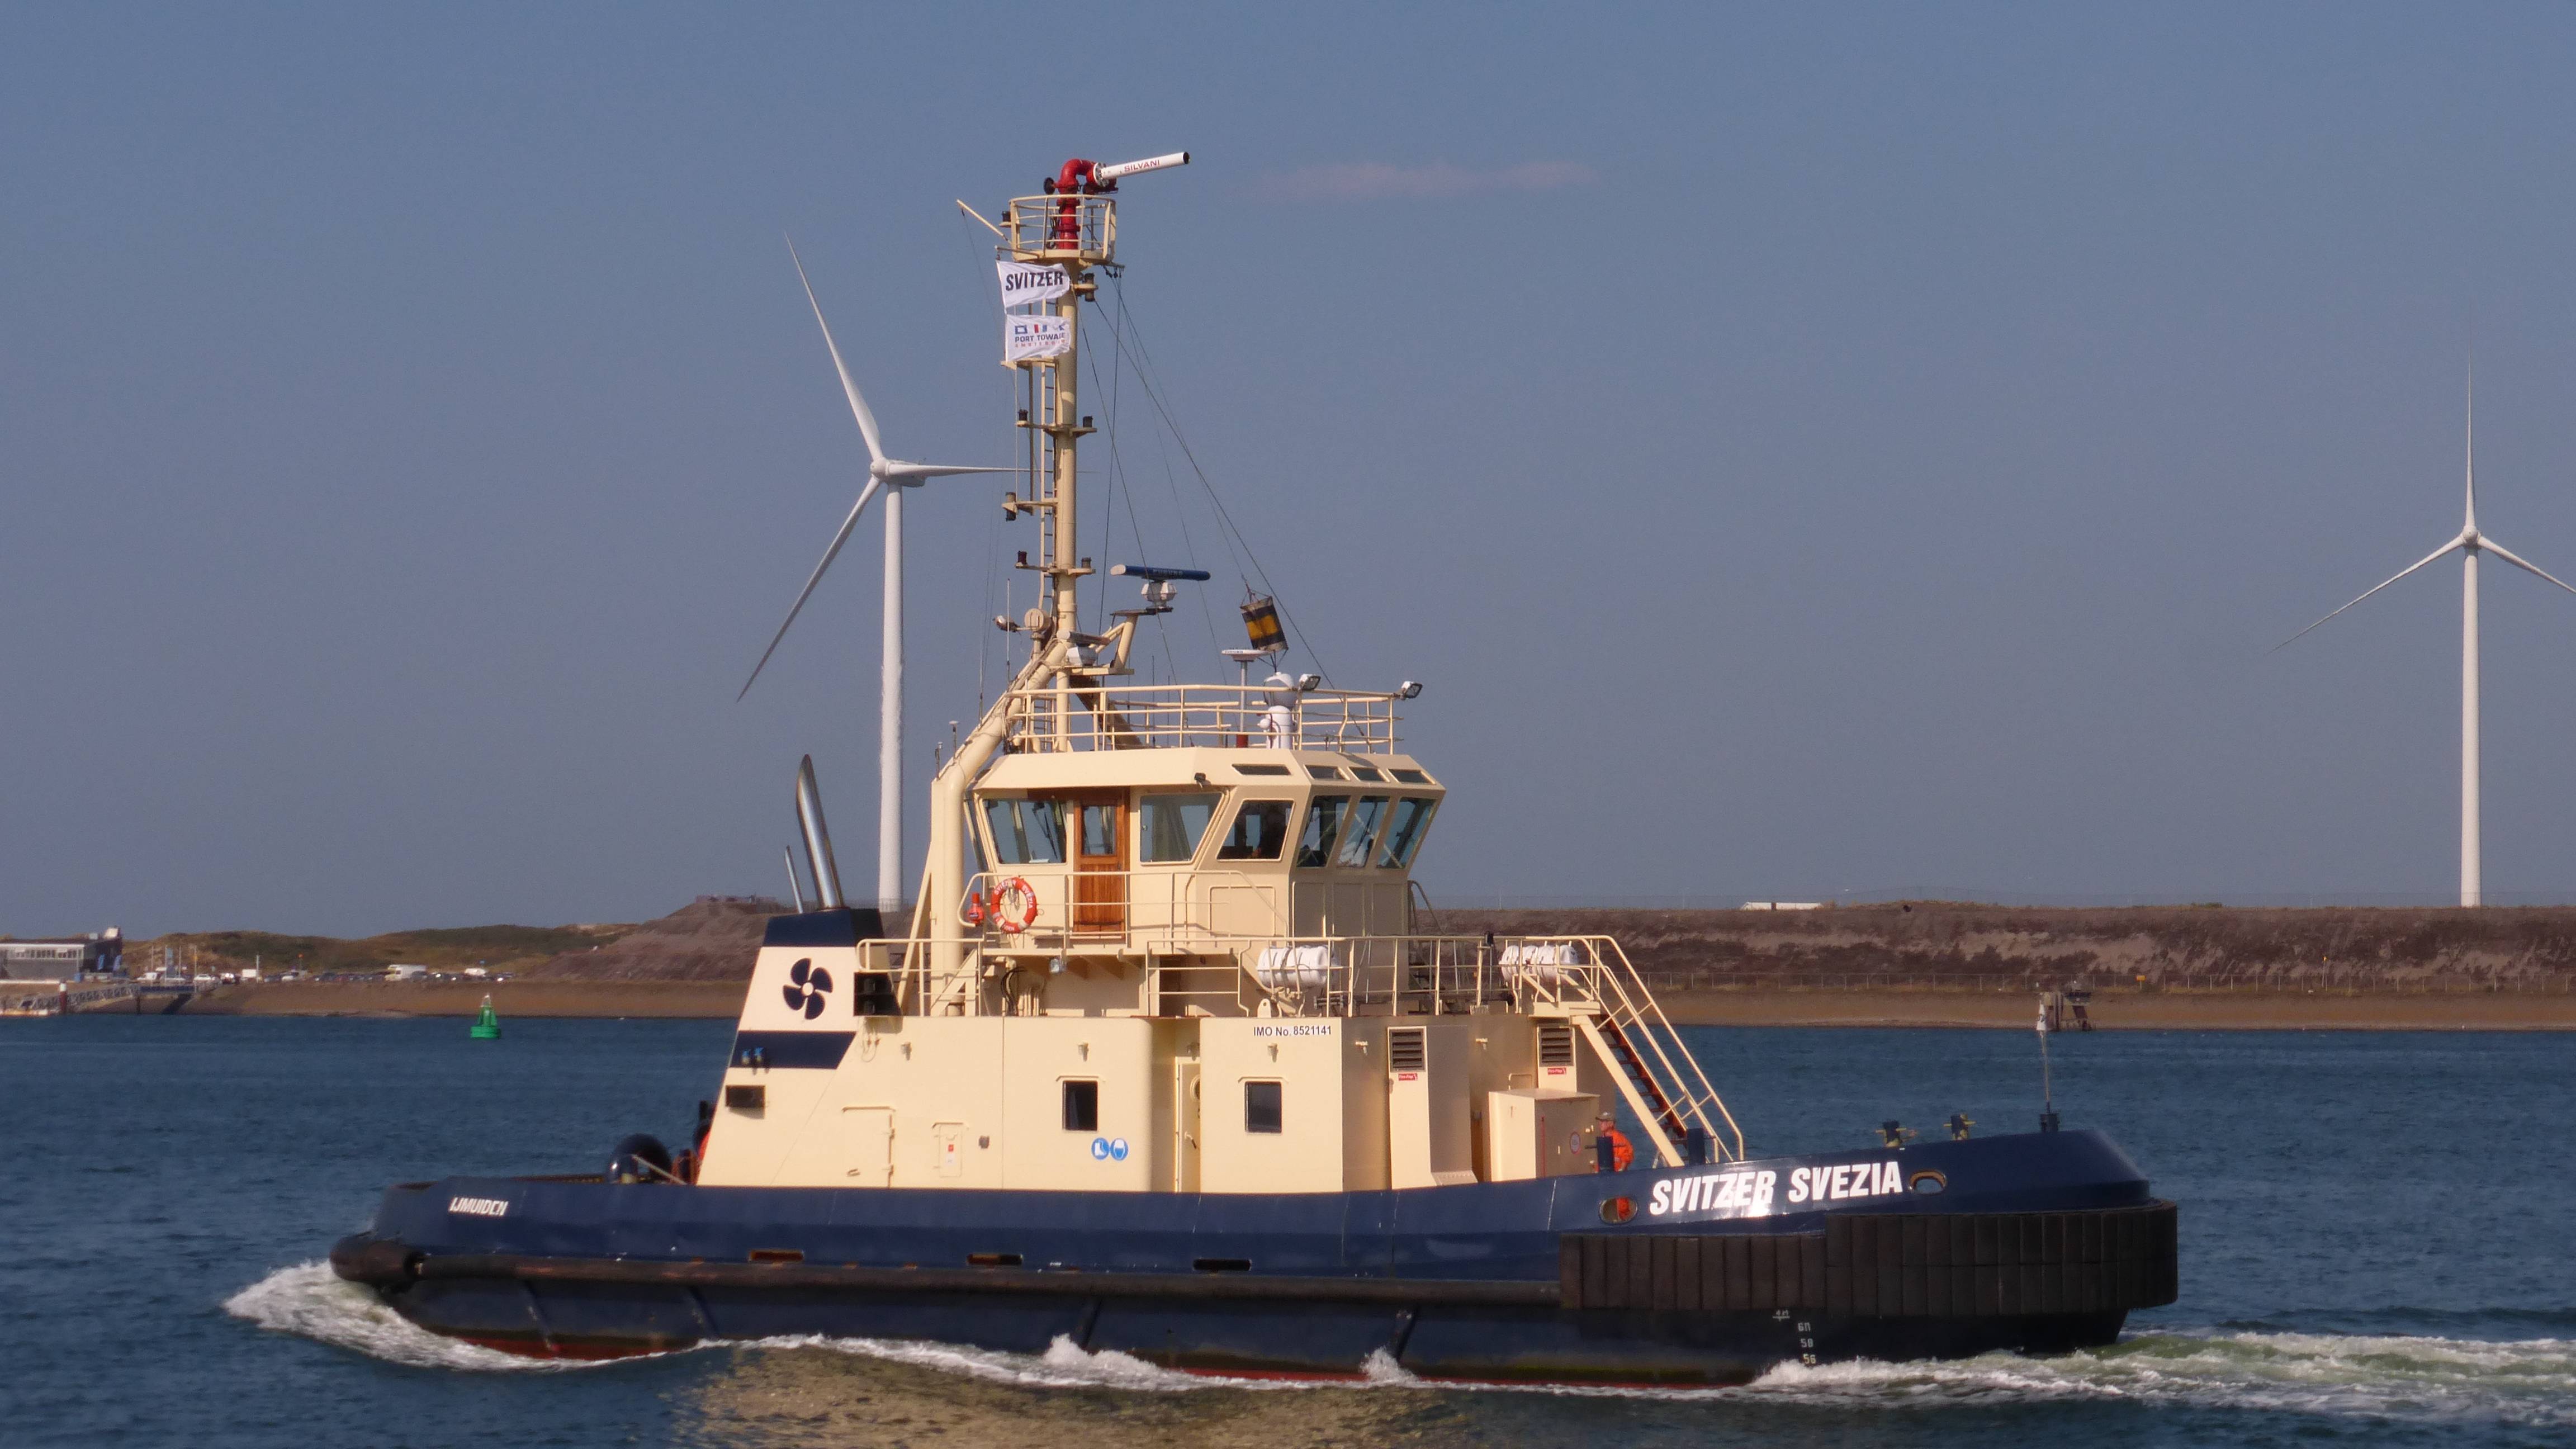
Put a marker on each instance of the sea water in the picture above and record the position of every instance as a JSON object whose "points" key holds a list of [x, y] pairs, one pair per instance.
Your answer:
{"points": [[2378, 1247]]}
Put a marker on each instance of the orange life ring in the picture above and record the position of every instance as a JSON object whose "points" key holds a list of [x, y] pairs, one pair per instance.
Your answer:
{"points": [[1001, 911]]}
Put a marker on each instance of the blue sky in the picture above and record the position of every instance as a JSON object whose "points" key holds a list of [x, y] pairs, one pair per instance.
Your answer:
{"points": [[1804, 453]]}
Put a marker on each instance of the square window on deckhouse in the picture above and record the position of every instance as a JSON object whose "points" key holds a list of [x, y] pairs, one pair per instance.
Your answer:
{"points": [[1259, 832], [1081, 1106], [1172, 825], [1261, 1107], [1026, 832], [1323, 823]]}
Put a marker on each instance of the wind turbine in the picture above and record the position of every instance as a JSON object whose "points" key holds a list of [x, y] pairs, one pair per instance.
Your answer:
{"points": [[2470, 544], [890, 476]]}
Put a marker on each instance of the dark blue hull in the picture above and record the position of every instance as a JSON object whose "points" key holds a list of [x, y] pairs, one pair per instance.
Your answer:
{"points": [[2036, 1243]]}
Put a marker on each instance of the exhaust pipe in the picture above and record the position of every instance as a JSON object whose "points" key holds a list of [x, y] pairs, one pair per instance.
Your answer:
{"points": [[795, 888], [818, 837]]}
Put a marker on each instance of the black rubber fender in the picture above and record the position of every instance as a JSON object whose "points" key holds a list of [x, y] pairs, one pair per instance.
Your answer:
{"points": [[639, 1157]]}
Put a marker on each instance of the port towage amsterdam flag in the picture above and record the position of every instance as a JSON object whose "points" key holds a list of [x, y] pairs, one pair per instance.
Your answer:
{"points": [[1025, 337]]}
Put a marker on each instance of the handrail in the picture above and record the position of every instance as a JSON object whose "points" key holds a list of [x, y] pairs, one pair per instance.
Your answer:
{"points": [[1656, 1028], [1147, 919], [1033, 227], [1400, 975], [1044, 719]]}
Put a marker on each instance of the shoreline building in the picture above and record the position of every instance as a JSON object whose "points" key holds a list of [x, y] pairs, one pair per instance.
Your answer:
{"points": [[63, 958]]}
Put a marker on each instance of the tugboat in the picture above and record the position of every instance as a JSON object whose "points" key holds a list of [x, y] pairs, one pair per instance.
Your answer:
{"points": [[1164, 1063]]}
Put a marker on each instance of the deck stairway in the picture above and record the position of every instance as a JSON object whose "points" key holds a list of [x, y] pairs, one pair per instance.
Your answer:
{"points": [[1662, 1083]]}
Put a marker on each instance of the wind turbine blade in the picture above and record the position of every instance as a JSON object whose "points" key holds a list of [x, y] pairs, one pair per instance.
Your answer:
{"points": [[2384, 583], [829, 554], [2470, 466], [858, 404], [2518, 561], [935, 470]]}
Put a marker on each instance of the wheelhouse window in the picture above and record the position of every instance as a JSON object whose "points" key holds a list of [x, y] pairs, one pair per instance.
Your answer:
{"points": [[1172, 825], [1259, 832], [1363, 772], [1323, 823], [1323, 772], [1099, 824], [1081, 1106], [1026, 832], [1404, 834], [1411, 777], [1261, 1107], [1360, 831]]}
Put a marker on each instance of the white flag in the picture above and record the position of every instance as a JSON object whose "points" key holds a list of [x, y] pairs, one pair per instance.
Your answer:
{"points": [[1036, 335], [1022, 284]]}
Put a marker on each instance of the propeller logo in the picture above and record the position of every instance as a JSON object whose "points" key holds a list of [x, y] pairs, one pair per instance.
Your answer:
{"points": [[807, 985]]}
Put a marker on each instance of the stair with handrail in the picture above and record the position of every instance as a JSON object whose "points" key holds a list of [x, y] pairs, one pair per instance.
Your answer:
{"points": [[1656, 1074]]}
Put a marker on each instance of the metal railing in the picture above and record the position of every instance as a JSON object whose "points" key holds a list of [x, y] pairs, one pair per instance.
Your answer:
{"points": [[1169, 911], [1212, 716], [1584, 978], [1062, 227], [2216, 983]]}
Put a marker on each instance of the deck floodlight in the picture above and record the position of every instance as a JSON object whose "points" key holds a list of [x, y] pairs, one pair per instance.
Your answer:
{"points": [[1410, 689], [1138, 168], [1309, 682]]}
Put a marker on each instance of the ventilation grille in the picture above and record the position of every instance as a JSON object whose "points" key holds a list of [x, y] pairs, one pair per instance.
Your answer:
{"points": [[1404, 1050], [1556, 1046]]}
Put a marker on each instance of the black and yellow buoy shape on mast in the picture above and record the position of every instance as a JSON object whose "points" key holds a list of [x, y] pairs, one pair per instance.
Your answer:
{"points": [[487, 1027], [1261, 622]]}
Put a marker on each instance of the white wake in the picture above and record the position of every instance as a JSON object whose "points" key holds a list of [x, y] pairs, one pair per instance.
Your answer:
{"points": [[2524, 1382], [311, 1301]]}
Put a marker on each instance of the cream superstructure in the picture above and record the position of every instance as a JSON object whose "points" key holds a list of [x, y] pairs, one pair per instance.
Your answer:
{"points": [[1166, 938]]}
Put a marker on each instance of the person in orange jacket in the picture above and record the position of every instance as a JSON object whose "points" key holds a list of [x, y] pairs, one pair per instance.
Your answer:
{"points": [[1621, 1154]]}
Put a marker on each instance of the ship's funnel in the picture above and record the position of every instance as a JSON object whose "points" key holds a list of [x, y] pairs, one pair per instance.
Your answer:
{"points": [[818, 837]]}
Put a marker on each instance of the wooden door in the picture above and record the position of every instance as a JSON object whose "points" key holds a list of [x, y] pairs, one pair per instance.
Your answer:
{"points": [[1099, 826]]}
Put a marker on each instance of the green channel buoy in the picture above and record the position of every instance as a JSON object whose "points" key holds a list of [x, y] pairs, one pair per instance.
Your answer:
{"points": [[487, 1027]]}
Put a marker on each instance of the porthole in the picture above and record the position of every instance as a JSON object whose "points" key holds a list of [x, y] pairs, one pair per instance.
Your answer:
{"points": [[1618, 1209], [1928, 1182]]}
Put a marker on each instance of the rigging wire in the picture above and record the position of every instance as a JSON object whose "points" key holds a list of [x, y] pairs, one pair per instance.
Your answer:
{"points": [[1145, 380], [1118, 475], [1171, 483], [988, 289]]}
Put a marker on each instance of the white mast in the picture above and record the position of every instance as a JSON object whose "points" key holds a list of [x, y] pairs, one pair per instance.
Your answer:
{"points": [[1074, 227], [2472, 888], [2470, 543]]}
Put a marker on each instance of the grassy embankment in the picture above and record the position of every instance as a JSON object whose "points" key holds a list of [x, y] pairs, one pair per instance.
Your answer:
{"points": [[1924, 963]]}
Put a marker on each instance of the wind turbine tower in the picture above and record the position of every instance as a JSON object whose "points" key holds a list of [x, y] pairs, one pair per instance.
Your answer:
{"points": [[2469, 542], [891, 476]]}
